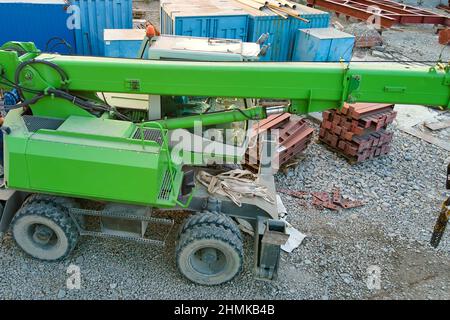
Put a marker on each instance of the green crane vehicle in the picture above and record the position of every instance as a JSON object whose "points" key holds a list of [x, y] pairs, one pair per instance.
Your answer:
{"points": [[71, 158]]}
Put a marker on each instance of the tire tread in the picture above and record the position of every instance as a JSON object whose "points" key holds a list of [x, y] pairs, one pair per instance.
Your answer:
{"points": [[213, 219], [210, 231], [56, 213]]}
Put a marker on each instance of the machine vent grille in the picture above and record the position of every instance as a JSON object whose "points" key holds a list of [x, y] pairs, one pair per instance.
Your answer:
{"points": [[149, 135], [166, 187], [34, 123]]}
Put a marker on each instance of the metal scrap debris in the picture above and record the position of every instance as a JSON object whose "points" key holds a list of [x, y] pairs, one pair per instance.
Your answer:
{"points": [[322, 200], [345, 203], [333, 201]]}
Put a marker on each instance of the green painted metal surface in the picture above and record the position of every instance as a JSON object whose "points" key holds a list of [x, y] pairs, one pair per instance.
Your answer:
{"points": [[88, 158], [319, 86], [207, 119], [315, 86], [92, 156]]}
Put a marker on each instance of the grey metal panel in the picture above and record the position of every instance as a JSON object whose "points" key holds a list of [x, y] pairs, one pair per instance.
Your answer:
{"points": [[13, 203]]}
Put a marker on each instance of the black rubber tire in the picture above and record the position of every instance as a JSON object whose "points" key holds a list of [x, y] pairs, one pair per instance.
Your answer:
{"points": [[53, 217], [211, 218], [206, 236]]}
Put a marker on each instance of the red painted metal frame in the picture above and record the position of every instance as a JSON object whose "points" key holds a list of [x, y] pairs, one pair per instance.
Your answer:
{"points": [[388, 12]]}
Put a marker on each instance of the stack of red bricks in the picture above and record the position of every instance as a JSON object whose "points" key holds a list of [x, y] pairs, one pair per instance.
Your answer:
{"points": [[294, 136], [358, 131]]}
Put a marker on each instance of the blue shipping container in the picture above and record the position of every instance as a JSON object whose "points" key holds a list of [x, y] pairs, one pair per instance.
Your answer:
{"points": [[197, 18], [96, 16], [316, 18], [120, 43], [212, 22], [323, 45], [282, 31], [37, 21]]}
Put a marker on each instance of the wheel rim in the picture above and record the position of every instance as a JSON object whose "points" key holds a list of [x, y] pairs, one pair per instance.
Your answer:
{"points": [[42, 236], [208, 261]]}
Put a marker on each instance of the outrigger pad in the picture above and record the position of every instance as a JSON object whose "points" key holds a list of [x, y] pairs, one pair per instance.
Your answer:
{"points": [[271, 238], [448, 177]]}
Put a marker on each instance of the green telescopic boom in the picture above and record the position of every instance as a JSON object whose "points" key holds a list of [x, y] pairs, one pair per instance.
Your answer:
{"points": [[311, 86]]}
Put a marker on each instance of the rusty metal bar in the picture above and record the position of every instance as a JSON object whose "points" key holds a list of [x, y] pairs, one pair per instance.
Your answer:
{"points": [[389, 14], [397, 7], [347, 9]]}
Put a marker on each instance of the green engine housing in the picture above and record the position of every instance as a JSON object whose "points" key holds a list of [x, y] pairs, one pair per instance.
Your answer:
{"points": [[92, 158]]}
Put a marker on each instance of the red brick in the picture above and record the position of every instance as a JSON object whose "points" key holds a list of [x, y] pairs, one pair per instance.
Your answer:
{"points": [[349, 135], [327, 124], [322, 132]]}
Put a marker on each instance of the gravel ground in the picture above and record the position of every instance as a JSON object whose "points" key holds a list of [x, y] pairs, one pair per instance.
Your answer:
{"points": [[408, 43], [418, 42], [152, 9], [403, 191]]}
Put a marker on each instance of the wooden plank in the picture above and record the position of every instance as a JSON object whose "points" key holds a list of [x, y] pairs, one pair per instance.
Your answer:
{"points": [[428, 138], [434, 126]]}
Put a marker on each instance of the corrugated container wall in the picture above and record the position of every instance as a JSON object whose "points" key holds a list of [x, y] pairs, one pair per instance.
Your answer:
{"points": [[204, 21], [37, 21], [274, 26], [282, 31], [96, 16], [182, 18]]}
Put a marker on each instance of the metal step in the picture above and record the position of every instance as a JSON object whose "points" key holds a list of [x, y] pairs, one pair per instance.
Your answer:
{"points": [[117, 236], [117, 222], [120, 215]]}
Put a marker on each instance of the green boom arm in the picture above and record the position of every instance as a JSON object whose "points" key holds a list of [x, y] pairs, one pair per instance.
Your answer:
{"points": [[310, 86]]}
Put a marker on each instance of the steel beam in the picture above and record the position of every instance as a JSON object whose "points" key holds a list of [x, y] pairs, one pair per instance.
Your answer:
{"points": [[390, 12], [349, 9]]}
